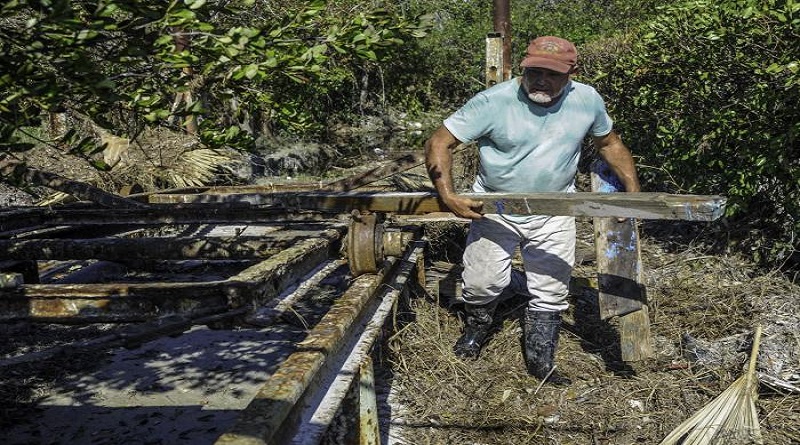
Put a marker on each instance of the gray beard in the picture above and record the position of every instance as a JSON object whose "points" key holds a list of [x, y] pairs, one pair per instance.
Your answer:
{"points": [[540, 97]]}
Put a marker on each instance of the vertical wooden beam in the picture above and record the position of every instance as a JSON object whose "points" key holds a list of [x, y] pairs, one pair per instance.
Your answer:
{"points": [[619, 273], [368, 427], [494, 59]]}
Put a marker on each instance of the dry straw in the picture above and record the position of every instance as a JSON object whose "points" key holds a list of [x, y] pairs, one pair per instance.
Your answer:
{"points": [[731, 418]]}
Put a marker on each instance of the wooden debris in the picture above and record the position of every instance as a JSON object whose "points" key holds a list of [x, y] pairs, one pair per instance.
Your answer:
{"points": [[19, 172]]}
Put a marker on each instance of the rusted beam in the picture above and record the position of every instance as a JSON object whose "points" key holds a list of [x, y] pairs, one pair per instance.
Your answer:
{"points": [[261, 421], [299, 403], [128, 302], [162, 248], [630, 205], [268, 278], [168, 214]]}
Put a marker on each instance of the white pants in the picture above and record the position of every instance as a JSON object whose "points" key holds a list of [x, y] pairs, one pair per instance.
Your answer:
{"points": [[547, 245]]}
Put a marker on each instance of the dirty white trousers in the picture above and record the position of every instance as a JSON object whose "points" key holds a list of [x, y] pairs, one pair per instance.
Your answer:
{"points": [[547, 245]]}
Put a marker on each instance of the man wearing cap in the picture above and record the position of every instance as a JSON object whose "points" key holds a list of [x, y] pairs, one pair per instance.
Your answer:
{"points": [[529, 131]]}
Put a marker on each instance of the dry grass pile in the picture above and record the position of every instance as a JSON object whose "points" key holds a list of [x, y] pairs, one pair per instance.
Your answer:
{"points": [[156, 159], [703, 308]]}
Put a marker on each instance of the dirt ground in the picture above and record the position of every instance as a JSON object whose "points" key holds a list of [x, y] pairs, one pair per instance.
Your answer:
{"points": [[703, 308]]}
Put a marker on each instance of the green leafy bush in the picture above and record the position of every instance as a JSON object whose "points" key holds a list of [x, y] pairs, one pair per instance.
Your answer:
{"points": [[708, 96], [251, 67]]}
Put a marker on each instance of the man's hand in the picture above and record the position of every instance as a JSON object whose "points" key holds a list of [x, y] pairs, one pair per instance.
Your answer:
{"points": [[463, 207], [438, 161]]}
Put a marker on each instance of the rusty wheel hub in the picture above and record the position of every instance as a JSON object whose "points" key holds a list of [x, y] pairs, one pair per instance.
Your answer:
{"points": [[365, 244]]}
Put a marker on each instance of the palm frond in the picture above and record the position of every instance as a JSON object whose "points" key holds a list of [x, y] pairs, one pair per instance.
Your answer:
{"points": [[196, 168], [731, 418]]}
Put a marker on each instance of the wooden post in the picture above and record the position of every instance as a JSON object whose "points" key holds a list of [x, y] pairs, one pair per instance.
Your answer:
{"points": [[619, 273], [369, 431], [494, 59]]}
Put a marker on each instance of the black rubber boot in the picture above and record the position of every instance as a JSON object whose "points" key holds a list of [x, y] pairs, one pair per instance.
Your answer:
{"points": [[541, 341], [477, 327]]}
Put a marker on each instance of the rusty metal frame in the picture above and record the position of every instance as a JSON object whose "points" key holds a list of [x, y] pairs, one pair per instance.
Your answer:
{"points": [[127, 302], [330, 357]]}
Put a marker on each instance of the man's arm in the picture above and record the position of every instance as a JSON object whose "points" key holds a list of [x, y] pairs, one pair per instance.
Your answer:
{"points": [[439, 162], [611, 148]]}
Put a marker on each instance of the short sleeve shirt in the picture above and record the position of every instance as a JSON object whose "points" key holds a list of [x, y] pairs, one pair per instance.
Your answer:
{"points": [[524, 147]]}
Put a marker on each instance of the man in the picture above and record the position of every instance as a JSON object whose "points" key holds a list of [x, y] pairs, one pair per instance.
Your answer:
{"points": [[529, 132]]}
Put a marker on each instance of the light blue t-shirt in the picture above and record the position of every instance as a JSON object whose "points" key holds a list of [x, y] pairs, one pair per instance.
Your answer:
{"points": [[524, 147]]}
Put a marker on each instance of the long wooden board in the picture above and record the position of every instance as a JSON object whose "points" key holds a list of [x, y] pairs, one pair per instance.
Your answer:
{"points": [[630, 205]]}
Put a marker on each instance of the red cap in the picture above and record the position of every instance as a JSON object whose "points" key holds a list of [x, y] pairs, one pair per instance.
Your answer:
{"points": [[553, 53]]}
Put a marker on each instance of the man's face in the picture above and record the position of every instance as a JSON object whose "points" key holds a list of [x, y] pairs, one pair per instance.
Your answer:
{"points": [[542, 85]]}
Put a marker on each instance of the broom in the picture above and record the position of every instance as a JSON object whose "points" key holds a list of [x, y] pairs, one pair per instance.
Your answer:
{"points": [[731, 418]]}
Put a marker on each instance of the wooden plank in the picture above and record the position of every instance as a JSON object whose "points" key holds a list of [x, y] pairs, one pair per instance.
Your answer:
{"points": [[493, 73], [368, 425], [630, 205], [618, 266], [262, 420], [635, 341], [118, 302], [398, 165], [619, 272], [252, 188], [261, 282]]}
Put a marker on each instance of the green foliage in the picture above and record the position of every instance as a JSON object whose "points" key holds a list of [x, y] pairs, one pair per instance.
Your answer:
{"points": [[708, 97], [448, 65], [275, 69], [580, 21]]}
